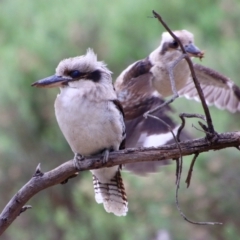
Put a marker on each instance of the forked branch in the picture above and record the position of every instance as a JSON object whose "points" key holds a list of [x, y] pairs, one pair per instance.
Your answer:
{"points": [[41, 181]]}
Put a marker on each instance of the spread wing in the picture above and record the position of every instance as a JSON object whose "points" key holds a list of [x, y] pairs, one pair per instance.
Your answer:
{"points": [[218, 89], [136, 94]]}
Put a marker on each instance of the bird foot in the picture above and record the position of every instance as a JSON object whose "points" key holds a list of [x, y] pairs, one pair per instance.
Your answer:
{"points": [[105, 156], [77, 159]]}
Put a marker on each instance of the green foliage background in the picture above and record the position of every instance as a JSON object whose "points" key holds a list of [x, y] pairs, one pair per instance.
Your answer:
{"points": [[34, 37]]}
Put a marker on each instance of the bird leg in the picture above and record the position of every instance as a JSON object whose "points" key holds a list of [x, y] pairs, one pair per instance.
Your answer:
{"points": [[173, 85], [77, 159]]}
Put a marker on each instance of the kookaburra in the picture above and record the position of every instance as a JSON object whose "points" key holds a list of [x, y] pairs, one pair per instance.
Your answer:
{"points": [[91, 119], [142, 86], [154, 71]]}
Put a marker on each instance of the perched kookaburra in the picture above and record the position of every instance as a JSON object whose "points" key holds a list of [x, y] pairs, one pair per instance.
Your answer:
{"points": [[142, 86], [218, 89], [91, 119]]}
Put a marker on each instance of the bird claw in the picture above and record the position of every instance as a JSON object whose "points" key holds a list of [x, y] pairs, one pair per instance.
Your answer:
{"points": [[105, 156], [145, 115], [77, 159]]}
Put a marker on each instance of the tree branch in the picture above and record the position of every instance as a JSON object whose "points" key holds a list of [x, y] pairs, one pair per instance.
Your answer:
{"points": [[211, 132], [40, 180]]}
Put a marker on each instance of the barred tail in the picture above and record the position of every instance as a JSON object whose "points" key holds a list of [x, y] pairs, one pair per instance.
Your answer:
{"points": [[112, 194]]}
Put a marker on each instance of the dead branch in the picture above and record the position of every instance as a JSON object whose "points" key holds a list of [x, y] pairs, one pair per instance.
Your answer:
{"points": [[211, 131], [40, 180], [189, 176], [211, 135]]}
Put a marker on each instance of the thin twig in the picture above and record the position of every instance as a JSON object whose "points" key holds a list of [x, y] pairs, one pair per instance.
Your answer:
{"points": [[189, 176], [178, 160], [187, 115], [198, 129], [206, 110], [195, 80], [169, 128], [179, 163]]}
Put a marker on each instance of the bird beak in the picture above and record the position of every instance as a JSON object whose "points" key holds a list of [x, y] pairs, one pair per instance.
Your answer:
{"points": [[193, 51], [52, 81]]}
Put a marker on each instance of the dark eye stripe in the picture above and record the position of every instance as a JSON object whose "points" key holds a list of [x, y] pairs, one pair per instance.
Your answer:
{"points": [[95, 75], [173, 44], [77, 75]]}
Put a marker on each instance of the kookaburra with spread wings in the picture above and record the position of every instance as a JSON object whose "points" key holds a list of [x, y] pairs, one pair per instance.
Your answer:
{"points": [[91, 119], [142, 86], [154, 71]]}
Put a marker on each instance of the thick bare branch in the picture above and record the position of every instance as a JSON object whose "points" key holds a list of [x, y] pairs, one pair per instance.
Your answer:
{"points": [[40, 180]]}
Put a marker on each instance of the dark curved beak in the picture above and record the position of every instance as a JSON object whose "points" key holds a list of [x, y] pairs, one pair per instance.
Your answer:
{"points": [[52, 81], [193, 51]]}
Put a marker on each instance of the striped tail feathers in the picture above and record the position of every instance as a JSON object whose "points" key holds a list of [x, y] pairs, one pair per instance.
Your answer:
{"points": [[111, 194]]}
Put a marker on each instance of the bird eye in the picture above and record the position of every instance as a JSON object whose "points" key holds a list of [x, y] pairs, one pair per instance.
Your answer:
{"points": [[174, 44], [74, 74]]}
